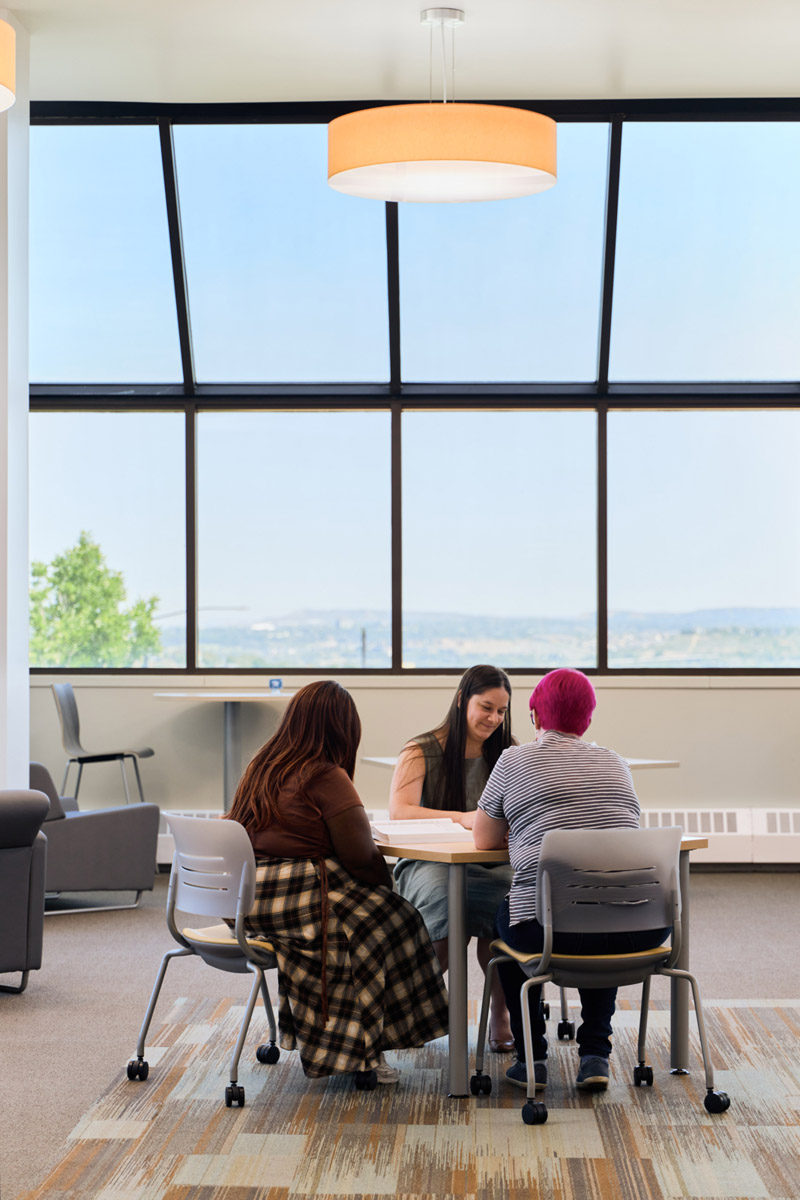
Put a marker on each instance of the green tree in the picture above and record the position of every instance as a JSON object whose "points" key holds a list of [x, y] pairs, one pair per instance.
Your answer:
{"points": [[78, 614]]}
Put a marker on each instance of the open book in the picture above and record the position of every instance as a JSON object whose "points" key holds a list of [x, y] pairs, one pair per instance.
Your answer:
{"points": [[434, 830]]}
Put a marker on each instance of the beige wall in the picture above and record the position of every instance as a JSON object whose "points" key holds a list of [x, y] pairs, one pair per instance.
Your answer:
{"points": [[736, 739]]}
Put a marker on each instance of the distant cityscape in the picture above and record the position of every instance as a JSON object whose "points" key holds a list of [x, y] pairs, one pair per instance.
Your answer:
{"points": [[728, 638]]}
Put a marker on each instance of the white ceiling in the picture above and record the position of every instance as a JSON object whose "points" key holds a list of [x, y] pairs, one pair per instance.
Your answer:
{"points": [[267, 50]]}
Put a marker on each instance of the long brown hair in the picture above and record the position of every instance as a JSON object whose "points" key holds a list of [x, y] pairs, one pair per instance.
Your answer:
{"points": [[451, 789], [320, 728]]}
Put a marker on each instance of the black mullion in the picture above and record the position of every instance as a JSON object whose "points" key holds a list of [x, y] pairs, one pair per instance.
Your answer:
{"points": [[609, 255], [176, 248], [393, 296], [602, 537], [397, 538], [191, 536]]}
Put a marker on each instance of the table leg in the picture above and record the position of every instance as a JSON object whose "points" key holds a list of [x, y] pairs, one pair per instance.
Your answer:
{"points": [[679, 988], [232, 751], [457, 979]]}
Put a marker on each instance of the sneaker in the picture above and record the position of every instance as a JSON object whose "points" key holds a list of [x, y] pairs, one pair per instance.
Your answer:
{"points": [[593, 1073], [385, 1073], [517, 1074]]}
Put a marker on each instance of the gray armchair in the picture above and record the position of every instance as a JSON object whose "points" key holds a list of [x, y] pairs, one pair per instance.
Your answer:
{"points": [[23, 850], [104, 850]]}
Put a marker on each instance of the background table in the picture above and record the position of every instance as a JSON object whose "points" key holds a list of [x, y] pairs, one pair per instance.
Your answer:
{"points": [[232, 717], [457, 855]]}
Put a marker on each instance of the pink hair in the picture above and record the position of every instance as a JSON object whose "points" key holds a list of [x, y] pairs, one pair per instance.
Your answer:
{"points": [[564, 700]]}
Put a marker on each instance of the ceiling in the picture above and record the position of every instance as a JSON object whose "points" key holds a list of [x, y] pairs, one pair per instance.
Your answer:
{"points": [[269, 50]]}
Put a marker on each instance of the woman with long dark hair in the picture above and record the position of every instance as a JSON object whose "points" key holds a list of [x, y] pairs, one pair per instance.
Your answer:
{"points": [[442, 773], [357, 974]]}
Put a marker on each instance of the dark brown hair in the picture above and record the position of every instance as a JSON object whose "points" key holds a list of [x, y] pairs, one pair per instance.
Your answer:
{"points": [[451, 789], [320, 728]]}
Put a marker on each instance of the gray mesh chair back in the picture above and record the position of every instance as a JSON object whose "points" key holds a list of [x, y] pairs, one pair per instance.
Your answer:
{"points": [[67, 709], [214, 875], [608, 880]]}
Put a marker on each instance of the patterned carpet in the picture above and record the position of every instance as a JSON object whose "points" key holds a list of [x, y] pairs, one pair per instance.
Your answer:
{"points": [[172, 1138]]}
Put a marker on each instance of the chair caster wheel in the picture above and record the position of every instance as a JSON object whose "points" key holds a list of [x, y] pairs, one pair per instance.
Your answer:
{"points": [[480, 1084], [716, 1102], [268, 1054], [366, 1081], [138, 1068], [642, 1075], [234, 1095], [546, 1010], [534, 1112], [566, 1031]]}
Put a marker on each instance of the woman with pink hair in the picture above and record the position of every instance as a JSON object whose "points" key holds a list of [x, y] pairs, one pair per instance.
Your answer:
{"points": [[559, 781]]}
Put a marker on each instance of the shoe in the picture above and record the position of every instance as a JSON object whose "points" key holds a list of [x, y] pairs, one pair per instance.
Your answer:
{"points": [[501, 1045], [593, 1073], [517, 1074], [385, 1073]]}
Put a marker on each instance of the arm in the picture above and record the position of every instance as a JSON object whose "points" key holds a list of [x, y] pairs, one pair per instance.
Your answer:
{"points": [[353, 846], [488, 833], [405, 799]]}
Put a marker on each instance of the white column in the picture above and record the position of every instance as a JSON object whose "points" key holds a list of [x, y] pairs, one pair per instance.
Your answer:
{"points": [[14, 684]]}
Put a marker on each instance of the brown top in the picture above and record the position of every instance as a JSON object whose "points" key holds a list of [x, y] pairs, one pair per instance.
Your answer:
{"points": [[304, 832]]}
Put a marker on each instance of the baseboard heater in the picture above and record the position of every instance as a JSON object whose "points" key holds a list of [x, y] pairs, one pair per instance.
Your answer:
{"points": [[735, 835]]}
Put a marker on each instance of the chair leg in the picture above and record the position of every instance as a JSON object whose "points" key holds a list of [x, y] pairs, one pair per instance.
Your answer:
{"points": [[138, 777], [64, 780], [151, 1007], [78, 784], [265, 996], [698, 1012], [124, 779], [480, 1050], [527, 1030], [23, 983], [645, 1008], [248, 1014]]}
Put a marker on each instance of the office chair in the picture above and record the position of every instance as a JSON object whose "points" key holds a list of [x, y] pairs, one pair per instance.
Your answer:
{"points": [[71, 739], [214, 875], [610, 881]]}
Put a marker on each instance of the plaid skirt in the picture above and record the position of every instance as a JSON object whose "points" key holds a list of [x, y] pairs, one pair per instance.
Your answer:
{"points": [[381, 983]]}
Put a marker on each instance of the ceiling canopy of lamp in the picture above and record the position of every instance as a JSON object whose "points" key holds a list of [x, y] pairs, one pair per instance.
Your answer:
{"points": [[8, 40], [442, 152]]}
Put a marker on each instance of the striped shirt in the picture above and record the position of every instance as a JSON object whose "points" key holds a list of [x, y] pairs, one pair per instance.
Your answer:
{"points": [[557, 782]]}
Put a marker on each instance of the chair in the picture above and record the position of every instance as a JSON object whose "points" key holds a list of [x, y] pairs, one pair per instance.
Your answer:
{"points": [[611, 881], [23, 850], [214, 875], [71, 739], [102, 850]]}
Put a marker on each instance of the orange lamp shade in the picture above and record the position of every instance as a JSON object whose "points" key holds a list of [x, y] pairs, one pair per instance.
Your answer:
{"points": [[8, 42], [442, 152]]}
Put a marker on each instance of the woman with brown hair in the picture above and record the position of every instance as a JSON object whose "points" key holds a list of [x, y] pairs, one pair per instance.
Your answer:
{"points": [[357, 973]]}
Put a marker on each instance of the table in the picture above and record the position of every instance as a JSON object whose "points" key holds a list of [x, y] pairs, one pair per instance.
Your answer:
{"points": [[457, 855], [635, 764], [232, 718]]}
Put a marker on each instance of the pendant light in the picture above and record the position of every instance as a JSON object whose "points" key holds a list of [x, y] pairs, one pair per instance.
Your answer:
{"points": [[442, 152]]}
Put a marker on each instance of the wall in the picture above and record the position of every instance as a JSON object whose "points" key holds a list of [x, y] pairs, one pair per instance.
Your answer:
{"points": [[736, 739]]}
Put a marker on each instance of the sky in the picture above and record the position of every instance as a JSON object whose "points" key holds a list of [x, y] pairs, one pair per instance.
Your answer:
{"points": [[287, 283]]}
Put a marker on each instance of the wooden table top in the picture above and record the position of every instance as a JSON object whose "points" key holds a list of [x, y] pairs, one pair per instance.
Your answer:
{"points": [[462, 852]]}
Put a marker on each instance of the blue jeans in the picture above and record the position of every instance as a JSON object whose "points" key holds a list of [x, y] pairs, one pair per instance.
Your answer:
{"points": [[597, 1004]]}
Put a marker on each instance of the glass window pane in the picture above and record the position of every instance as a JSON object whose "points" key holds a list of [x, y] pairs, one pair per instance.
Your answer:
{"points": [[499, 521], [708, 253], [508, 290], [107, 537], [102, 298], [703, 530], [287, 278], [294, 539]]}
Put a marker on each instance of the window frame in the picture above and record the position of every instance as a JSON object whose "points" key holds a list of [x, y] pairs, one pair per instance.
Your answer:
{"points": [[191, 397]]}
